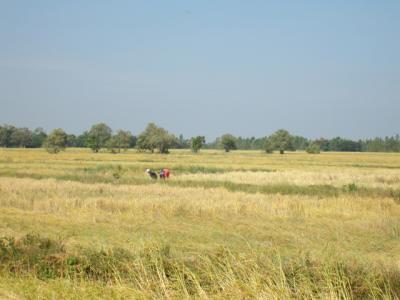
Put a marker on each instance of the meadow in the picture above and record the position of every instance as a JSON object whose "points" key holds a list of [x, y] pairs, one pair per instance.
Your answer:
{"points": [[225, 225]]}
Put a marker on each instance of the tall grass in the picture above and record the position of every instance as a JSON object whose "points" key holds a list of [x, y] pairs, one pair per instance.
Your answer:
{"points": [[155, 271]]}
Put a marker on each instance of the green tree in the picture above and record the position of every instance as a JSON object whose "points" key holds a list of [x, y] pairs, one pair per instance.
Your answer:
{"points": [[182, 143], [313, 148], [268, 146], [154, 137], [21, 137], [72, 140], [38, 137], [299, 143], [56, 141], [121, 140], [323, 144], [98, 136], [228, 142], [196, 143], [81, 140], [132, 141], [281, 140], [5, 135]]}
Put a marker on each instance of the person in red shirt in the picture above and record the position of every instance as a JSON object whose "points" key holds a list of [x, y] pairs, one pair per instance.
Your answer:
{"points": [[164, 174]]}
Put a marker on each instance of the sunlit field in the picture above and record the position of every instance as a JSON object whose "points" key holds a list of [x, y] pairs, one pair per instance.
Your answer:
{"points": [[225, 225]]}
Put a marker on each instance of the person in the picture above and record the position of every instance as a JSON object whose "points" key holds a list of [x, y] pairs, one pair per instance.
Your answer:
{"points": [[152, 174], [164, 173]]}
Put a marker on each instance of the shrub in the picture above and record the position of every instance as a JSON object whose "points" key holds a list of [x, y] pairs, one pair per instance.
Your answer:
{"points": [[56, 141], [228, 142], [313, 148], [268, 146], [196, 143]]}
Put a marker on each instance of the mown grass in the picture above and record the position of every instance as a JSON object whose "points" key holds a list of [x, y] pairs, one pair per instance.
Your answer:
{"points": [[238, 225]]}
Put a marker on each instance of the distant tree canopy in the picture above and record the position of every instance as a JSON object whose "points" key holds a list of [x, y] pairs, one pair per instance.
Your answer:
{"points": [[183, 143], [196, 143], [281, 140], [121, 140], [38, 137], [268, 145], [313, 148], [228, 142], [21, 137], [154, 137], [251, 143], [98, 136], [56, 141]]}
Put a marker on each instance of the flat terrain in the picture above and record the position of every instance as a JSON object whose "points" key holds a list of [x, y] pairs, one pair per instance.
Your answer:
{"points": [[225, 225]]}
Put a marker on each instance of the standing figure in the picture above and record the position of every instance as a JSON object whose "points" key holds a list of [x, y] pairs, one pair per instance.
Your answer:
{"points": [[162, 175], [152, 174]]}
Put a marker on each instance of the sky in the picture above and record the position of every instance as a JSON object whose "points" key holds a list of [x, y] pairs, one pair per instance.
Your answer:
{"points": [[315, 68]]}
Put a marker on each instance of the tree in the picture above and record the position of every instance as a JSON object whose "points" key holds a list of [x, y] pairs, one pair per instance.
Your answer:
{"points": [[132, 141], [196, 143], [281, 140], [299, 142], [154, 137], [5, 135], [323, 144], [56, 141], [21, 137], [313, 148], [183, 143], [71, 140], [82, 140], [38, 137], [98, 136], [228, 142], [268, 146], [121, 140], [340, 144]]}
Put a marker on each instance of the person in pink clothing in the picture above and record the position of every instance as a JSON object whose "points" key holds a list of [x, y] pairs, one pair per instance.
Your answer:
{"points": [[164, 174]]}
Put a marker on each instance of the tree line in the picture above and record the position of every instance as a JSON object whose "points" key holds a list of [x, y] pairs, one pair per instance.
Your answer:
{"points": [[100, 137]]}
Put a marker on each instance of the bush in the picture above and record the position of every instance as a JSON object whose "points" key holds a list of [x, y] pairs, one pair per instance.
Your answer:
{"points": [[269, 146], [196, 143], [228, 142], [313, 149], [56, 141]]}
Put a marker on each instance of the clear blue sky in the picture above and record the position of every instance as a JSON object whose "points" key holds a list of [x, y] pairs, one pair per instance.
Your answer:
{"points": [[316, 68]]}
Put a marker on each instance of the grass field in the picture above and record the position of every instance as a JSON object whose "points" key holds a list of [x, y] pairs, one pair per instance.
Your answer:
{"points": [[226, 225]]}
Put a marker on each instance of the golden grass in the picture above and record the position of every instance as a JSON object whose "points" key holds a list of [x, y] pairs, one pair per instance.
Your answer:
{"points": [[74, 197], [385, 178]]}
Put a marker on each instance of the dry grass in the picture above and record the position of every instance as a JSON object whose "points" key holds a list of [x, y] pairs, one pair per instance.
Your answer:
{"points": [[376, 178], [223, 241]]}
